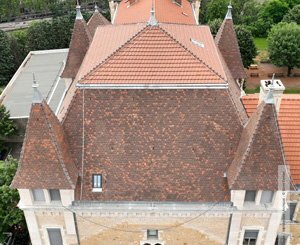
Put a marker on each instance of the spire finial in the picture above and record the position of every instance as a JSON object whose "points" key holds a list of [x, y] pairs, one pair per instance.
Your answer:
{"points": [[152, 21], [270, 95], [229, 14], [78, 12], [96, 7], [37, 96]]}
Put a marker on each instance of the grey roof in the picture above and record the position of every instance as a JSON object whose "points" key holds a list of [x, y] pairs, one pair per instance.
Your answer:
{"points": [[47, 65]]}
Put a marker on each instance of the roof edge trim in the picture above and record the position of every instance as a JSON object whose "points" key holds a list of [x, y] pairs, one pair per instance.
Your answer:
{"points": [[152, 86]]}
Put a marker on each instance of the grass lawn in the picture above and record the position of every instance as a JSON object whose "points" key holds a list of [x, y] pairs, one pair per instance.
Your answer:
{"points": [[286, 91], [261, 43]]}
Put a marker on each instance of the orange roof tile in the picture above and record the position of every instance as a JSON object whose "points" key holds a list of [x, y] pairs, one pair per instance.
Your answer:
{"points": [[153, 56], [165, 11], [289, 123]]}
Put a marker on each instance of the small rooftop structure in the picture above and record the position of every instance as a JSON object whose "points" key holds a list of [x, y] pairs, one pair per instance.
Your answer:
{"points": [[47, 66]]}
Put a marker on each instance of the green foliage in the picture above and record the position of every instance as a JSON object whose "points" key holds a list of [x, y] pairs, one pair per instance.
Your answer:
{"points": [[284, 45], [9, 9], [7, 127], [215, 9], [274, 10], [18, 43], [215, 25], [7, 65], [293, 15], [10, 214], [246, 44], [53, 34]]}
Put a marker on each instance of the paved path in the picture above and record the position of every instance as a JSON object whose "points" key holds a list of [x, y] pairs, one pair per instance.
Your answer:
{"points": [[16, 25]]}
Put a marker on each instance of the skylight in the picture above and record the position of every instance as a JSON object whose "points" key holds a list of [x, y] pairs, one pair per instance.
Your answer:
{"points": [[198, 43]]}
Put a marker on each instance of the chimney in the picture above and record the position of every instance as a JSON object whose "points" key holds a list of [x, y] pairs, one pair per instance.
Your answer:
{"points": [[196, 7], [274, 84], [113, 8]]}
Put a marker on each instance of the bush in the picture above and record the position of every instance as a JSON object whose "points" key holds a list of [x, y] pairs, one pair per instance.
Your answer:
{"points": [[293, 15]]}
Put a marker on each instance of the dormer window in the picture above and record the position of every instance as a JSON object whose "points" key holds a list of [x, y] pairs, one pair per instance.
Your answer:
{"points": [[152, 234], [250, 196], [54, 195], [38, 195], [97, 182]]}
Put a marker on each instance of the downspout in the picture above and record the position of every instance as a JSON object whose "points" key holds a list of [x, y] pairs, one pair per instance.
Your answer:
{"points": [[228, 230], [76, 228]]}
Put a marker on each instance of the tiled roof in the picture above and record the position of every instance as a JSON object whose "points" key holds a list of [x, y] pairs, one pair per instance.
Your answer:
{"points": [[45, 161], [259, 153], [289, 123], [166, 11], [158, 145], [79, 44], [96, 20], [154, 56], [226, 41]]}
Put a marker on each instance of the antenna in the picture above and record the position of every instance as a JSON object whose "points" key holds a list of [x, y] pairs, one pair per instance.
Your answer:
{"points": [[37, 96]]}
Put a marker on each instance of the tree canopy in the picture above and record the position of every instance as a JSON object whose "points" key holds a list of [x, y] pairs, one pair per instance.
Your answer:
{"points": [[293, 15], [7, 65], [246, 44], [284, 45], [10, 214]]}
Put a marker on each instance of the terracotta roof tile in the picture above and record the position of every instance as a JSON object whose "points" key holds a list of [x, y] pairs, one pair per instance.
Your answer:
{"points": [[45, 161], [259, 152], [289, 123], [152, 56], [165, 11], [227, 42], [96, 20], [79, 45], [158, 145]]}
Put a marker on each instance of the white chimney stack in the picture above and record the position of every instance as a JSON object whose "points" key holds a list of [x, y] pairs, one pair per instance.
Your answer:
{"points": [[277, 87]]}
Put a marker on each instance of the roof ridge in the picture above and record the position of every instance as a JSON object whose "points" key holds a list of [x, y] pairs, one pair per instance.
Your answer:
{"points": [[210, 68], [246, 153], [108, 57], [58, 151]]}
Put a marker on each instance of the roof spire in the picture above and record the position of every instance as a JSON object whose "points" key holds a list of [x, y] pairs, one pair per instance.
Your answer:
{"points": [[269, 99], [37, 96], [96, 7], [229, 14], [78, 12], [152, 21]]}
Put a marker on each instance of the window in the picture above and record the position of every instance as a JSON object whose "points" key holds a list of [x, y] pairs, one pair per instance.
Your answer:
{"points": [[250, 237], [55, 237], [38, 195], [282, 239], [250, 196], [289, 213], [54, 195], [152, 234], [266, 197], [97, 182]]}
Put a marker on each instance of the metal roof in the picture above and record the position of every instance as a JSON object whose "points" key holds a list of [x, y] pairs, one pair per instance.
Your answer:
{"points": [[47, 65]]}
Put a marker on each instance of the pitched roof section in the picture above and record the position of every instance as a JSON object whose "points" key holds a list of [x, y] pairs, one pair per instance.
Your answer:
{"points": [[166, 11], [259, 153], [79, 45], [227, 42], [289, 124], [158, 145], [96, 20], [45, 161], [153, 57]]}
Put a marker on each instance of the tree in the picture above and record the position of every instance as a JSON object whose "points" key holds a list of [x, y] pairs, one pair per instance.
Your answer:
{"points": [[274, 10], [293, 15], [7, 66], [284, 45], [11, 217], [7, 127], [246, 44], [18, 43], [215, 9], [214, 26]]}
